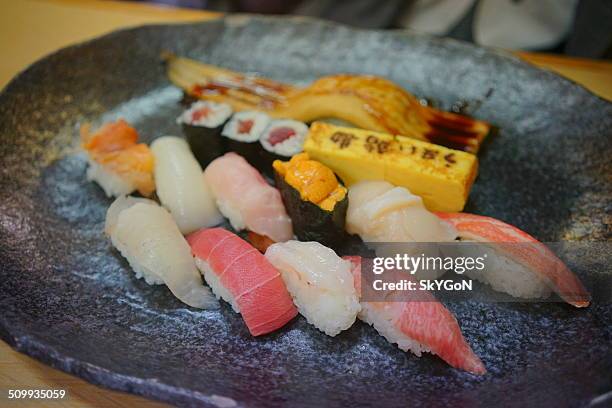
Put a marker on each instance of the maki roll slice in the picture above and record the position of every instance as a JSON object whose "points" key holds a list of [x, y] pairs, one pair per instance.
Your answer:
{"points": [[281, 140], [314, 199], [241, 134], [202, 124]]}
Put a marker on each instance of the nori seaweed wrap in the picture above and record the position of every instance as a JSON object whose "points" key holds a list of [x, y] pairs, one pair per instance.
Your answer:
{"points": [[202, 124], [241, 135], [282, 139], [318, 212]]}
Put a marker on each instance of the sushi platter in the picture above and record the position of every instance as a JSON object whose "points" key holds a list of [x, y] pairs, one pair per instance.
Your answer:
{"points": [[196, 224]]}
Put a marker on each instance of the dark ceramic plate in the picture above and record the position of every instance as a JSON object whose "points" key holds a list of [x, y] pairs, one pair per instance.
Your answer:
{"points": [[68, 299]]}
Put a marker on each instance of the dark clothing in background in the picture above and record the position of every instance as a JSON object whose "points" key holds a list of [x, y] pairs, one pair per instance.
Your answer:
{"points": [[358, 13], [590, 36]]}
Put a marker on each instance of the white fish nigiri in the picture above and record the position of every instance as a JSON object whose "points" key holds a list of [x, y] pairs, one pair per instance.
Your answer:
{"points": [[147, 236], [181, 187], [320, 283], [380, 212], [245, 197]]}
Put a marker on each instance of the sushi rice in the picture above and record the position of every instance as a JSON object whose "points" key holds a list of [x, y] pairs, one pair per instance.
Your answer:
{"points": [[320, 283], [147, 236], [239, 274], [385, 325], [292, 144], [113, 184], [256, 123], [217, 114], [181, 187], [506, 275], [211, 278]]}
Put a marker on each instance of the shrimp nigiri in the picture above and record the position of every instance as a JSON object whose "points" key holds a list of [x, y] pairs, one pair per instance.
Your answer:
{"points": [[117, 162], [320, 283], [532, 269], [417, 326], [239, 274], [147, 236]]}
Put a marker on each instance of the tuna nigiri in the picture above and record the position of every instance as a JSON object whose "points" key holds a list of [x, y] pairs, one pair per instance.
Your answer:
{"points": [[181, 187], [148, 238], [245, 197], [117, 162], [243, 277], [418, 326], [531, 269], [320, 283]]}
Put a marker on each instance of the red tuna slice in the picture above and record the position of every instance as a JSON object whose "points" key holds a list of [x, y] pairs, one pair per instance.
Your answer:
{"points": [[254, 283]]}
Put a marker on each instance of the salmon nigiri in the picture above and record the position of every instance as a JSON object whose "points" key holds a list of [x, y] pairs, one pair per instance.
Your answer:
{"points": [[244, 196], [239, 274], [533, 267], [417, 326], [117, 162]]}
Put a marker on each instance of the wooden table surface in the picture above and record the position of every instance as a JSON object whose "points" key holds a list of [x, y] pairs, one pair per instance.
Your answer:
{"points": [[30, 29]]}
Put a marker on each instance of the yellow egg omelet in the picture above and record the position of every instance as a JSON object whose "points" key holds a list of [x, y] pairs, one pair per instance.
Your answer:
{"points": [[441, 176]]}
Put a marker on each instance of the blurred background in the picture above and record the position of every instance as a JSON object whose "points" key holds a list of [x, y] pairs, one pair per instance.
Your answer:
{"points": [[581, 28]]}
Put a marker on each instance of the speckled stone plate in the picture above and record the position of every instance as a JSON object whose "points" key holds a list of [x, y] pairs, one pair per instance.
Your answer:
{"points": [[68, 299]]}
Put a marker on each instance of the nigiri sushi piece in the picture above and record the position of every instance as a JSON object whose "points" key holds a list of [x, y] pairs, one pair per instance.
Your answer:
{"points": [[380, 212], [320, 283], [243, 277], [147, 236], [529, 269], [181, 187], [422, 325], [245, 197], [117, 162]]}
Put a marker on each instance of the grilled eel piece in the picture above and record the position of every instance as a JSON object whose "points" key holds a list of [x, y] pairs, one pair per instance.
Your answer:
{"points": [[365, 101]]}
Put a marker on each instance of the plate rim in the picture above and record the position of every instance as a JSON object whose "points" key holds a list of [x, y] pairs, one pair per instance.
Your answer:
{"points": [[95, 374]]}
